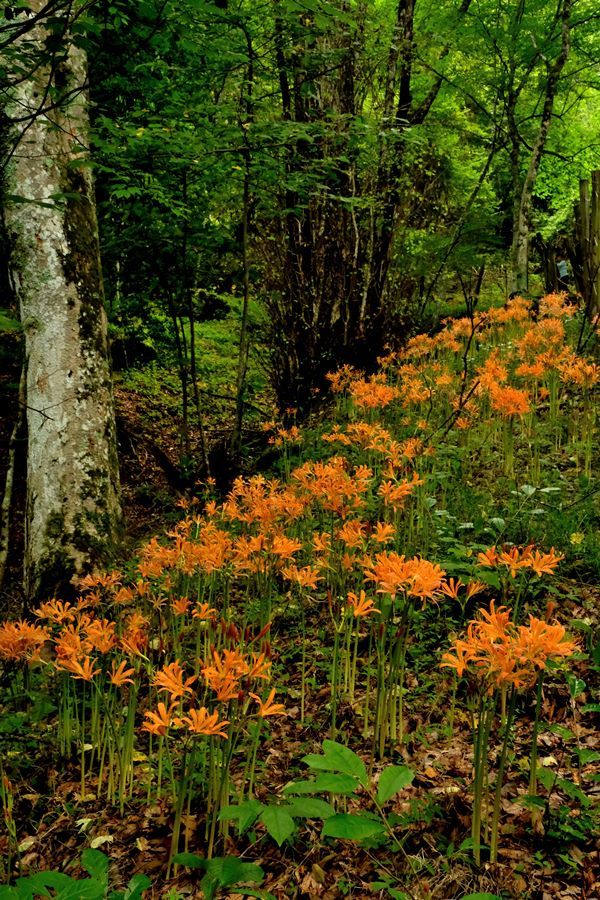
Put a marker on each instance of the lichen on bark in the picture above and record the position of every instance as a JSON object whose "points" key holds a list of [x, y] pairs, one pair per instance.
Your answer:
{"points": [[73, 512]]}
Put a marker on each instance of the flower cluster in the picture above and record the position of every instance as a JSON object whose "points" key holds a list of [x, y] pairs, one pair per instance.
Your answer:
{"points": [[501, 653]]}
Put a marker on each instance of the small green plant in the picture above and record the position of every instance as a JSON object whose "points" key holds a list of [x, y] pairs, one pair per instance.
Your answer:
{"points": [[60, 885], [342, 774], [225, 872]]}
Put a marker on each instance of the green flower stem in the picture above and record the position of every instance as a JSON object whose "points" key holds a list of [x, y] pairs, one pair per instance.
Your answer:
{"points": [[499, 778]]}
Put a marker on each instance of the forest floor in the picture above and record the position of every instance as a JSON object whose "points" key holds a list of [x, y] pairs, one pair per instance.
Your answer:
{"points": [[486, 487]]}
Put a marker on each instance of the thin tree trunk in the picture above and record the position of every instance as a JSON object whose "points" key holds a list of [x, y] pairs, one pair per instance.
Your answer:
{"points": [[189, 302], [5, 510], [594, 241], [520, 245], [244, 348]]}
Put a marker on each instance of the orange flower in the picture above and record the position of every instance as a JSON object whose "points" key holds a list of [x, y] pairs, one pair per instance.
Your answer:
{"points": [[361, 606], [180, 606], [503, 653], [267, 707], [158, 722], [260, 667], [70, 645], [285, 547], [475, 587], [509, 401], [200, 721], [463, 655], [383, 532], [543, 563], [56, 611], [514, 560], [101, 635], [306, 577], [352, 533], [120, 676], [170, 679], [204, 611], [82, 672], [489, 558], [451, 587], [20, 640], [123, 596]]}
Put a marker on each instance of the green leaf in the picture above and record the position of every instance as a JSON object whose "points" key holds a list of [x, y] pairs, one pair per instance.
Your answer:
{"points": [[351, 828], [327, 782], [66, 888], [481, 897], [338, 758], [245, 814], [392, 781], [95, 864], [576, 685], [278, 823], [229, 870], [136, 887], [587, 756], [191, 860], [310, 808]]}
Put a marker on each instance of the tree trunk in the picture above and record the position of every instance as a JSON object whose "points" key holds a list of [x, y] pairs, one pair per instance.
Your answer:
{"points": [[73, 511], [522, 210], [594, 247]]}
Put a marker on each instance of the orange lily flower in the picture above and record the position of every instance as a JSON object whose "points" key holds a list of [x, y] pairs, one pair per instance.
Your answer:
{"points": [[170, 678], [200, 721], [267, 707], [120, 676], [81, 671], [361, 606], [158, 722]]}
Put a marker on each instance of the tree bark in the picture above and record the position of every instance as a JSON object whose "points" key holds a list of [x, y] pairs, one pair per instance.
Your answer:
{"points": [[73, 512], [522, 210], [594, 245]]}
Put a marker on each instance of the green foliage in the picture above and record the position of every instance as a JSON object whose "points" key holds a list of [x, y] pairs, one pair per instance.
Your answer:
{"points": [[224, 872], [393, 780], [340, 759], [63, 887]]}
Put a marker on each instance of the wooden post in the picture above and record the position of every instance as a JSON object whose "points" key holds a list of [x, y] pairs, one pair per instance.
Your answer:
{"points": [[594, 244]]}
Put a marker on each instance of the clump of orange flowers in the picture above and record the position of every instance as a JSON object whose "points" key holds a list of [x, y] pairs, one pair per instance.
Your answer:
{"points": [[516, 558], [502, 653]]}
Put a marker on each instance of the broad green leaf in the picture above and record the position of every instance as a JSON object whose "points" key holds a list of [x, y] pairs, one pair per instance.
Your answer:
{"points": [[392, 781], [338, 758], [327, 782], [482, 897], [576, 686], [228, 870], [136, 887], [66, 888], [310, 808], [56, 880], [278, 823], [351, 827], [191, 860], [262, 895], [245, 814], [95, 864]]}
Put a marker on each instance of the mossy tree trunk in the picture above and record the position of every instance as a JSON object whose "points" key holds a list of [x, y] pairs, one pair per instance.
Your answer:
{"points": [[73, 511]]}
